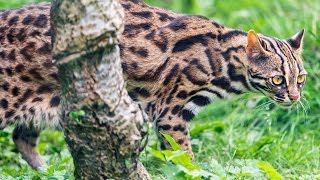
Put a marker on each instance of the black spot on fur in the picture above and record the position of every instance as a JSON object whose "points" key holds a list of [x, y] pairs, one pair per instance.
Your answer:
{"points": [[16, 105], [164, 16], [15, 91], [21, 36], [9, 114], [5, 86], [19, 68], [41, 21], [4, 103], [35, 33], [35, 74], [172, 92], [217, 25], [9, 71], [192, 78], [165, 127], [135, 1], [162, 45], [46, 88], [13, 21], [28, 19], [3, 29], [179, 127], [175, 109], [24, 107], [55, 101], [152, 74], [177, 25], [133, 27], [200, 100], [180, 141], [151, 35], [26, 51], [26, 95], [142, 92], [3, 54], [143, 52], [54, 76], [173, 73], [20, 11], [25, 78], [5, 15], [11, 35], [47, 64], [48, 33], [32, 111], [182, 94], [144, 14], [187, 115], [126, 6], [12, 55], [37, 99], [163, 113], [45, 49]]}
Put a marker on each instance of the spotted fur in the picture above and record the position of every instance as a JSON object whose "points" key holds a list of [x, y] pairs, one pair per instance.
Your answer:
{"points": [[174, 65]]}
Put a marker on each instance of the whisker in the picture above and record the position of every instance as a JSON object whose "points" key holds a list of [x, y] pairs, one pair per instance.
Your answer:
{"points": [[263, 105], [304, 110]]}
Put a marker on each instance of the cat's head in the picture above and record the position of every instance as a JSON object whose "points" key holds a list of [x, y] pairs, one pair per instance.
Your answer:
{"points": [[275, 67]]}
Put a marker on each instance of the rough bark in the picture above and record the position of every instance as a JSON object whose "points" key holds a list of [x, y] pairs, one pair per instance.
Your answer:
{"points": [[102, 125]]}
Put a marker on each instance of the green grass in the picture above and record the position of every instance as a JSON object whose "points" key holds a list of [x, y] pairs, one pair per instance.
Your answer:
{"points": [[242, 138]]}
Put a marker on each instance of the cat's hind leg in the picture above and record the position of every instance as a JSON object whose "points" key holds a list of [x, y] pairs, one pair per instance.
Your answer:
{"points": [[25, 139]]}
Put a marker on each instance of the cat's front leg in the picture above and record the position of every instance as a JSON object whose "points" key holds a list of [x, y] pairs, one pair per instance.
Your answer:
{"points": [[177, 128]]}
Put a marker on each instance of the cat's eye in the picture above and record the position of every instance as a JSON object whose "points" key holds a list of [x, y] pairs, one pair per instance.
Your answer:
{"points": [[301, 79], [277, 80]]}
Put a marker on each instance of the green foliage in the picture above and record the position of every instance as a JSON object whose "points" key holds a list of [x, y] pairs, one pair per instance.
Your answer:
{"points": [[270, 170], [242, 138], [77, 115]]}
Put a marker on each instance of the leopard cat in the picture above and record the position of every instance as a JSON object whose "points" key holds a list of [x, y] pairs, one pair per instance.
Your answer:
{"points": [[174, 65]]}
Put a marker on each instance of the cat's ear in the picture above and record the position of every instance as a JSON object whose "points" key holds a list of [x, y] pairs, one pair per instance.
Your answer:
{"points": [[254, 46], [296, 41]]}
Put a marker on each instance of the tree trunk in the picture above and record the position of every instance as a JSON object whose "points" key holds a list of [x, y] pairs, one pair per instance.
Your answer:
{"points": [[102, 125]]}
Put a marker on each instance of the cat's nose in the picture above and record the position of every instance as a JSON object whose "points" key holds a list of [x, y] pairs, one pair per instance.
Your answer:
{"points": [[294, 97]]}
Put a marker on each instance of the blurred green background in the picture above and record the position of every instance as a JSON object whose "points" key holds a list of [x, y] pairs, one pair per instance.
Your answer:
{"points": [[243, 138]]}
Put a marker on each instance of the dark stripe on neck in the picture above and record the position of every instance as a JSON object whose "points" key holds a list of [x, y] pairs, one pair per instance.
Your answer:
{"points": [[224, 83], [227, 54], [237, 77], [186, 43], [229, 35], [215, 65]]}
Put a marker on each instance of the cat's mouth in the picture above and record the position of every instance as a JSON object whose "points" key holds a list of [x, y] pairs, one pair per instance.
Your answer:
{"points": [[283, 104]]}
